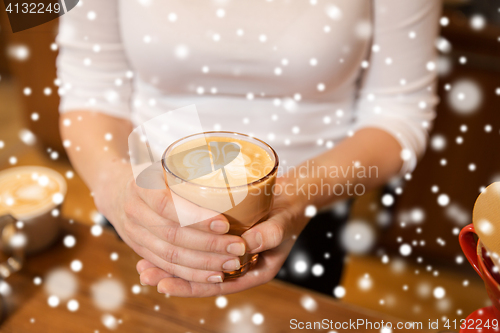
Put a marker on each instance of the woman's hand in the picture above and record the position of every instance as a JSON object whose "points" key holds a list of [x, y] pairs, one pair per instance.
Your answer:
{"points": [[147, 221], [273, 239]]}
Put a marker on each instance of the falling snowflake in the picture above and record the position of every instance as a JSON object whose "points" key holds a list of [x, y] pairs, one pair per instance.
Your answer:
{"points": [[334, 12], [69, 241], [365, 282], [317, 270], [405, 250], [257, 319], [387, 200], [108, 294], [61, 283], [339, 291], [53, 301], [357, 237], [465, 96], [109, 321], [308, 303], [300, 266], [76, 265], [73, 305], [477, 22], [439, 292], [221, 302], [443, 200], [96, 230], [310, 211]]}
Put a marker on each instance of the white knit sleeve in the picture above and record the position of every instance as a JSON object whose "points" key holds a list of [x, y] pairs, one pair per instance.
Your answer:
{"points": [[92, 65], [397, 92]]}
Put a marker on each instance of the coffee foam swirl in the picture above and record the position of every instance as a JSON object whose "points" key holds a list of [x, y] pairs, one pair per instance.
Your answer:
{"points": [[30, 191], [240, 170], [247, 164]]}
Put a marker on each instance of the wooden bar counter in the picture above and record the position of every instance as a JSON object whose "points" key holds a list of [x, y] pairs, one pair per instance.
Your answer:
{"points": [[103, 294]]}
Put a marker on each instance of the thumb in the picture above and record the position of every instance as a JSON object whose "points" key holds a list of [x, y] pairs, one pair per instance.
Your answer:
{"points": [[267, 235]]}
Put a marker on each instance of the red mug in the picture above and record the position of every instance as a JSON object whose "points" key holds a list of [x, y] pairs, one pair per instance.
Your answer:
{"points": [[478, 257]]}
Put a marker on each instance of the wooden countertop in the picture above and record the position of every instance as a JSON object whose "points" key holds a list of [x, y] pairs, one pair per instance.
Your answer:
{"points": [[142, 309]]}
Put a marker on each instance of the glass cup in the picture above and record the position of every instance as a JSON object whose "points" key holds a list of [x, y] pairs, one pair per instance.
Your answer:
{"points": [[250, 203]]}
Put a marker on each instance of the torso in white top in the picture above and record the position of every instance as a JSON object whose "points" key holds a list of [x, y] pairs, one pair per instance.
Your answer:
{"points": [[298, 74]]}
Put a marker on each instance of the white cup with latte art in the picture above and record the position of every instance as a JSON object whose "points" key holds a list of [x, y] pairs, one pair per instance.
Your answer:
{"points": [[30, 199]]}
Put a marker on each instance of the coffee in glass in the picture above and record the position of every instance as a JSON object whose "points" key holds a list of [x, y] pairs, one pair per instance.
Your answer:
{"points": [[228, 173]]}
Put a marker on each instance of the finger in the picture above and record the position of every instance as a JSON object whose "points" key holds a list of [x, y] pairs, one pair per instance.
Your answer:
{"points": [[185, 257], [267, 267], [151, 276], [172, 207], [268, 234], [189, 238], [142, 265], [216, 225], [181, 288], [185, 273], [160, 201]]}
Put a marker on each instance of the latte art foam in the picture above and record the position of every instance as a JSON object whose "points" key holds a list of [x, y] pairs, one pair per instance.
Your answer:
{"points": [[199, 161], [30, 191]]}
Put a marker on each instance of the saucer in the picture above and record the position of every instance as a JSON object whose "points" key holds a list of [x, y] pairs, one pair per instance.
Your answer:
{"points": [[478, 319]]}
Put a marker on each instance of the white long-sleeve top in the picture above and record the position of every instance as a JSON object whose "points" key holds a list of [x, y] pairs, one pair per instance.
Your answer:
{"points": [[301, 75]]}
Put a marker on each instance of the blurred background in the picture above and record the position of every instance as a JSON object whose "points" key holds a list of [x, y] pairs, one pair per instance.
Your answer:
{"points": [[408, 251]]}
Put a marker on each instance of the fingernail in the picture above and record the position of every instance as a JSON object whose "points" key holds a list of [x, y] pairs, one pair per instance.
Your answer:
{"points": [[219, 226], [215, 278], [142, 284], [236, 249], [231, 265], [254, 241]]}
